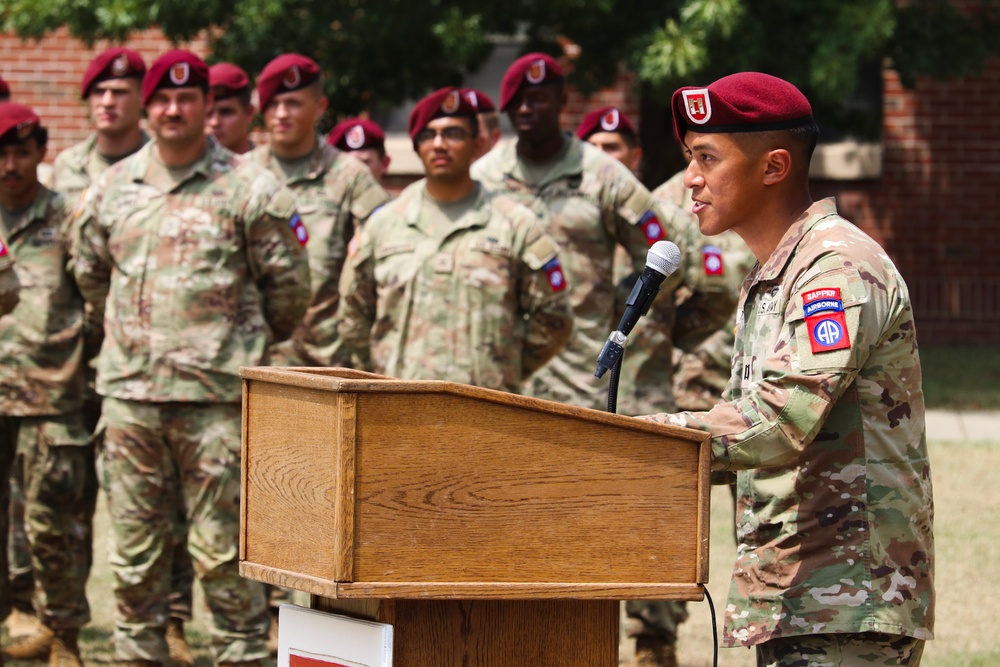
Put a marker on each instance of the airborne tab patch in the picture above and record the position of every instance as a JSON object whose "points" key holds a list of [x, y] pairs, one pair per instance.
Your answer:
{"points": [[824, 319]]}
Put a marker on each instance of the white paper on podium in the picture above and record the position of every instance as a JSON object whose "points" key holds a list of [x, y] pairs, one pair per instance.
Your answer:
{"points": [[310, 638]]}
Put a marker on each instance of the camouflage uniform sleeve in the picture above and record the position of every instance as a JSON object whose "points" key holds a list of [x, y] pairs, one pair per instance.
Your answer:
{"points": [[544, 299], [772, 422], [367, 197], [9, 284], [358, 303], [639, 222], [278, 260], [90, 259]]}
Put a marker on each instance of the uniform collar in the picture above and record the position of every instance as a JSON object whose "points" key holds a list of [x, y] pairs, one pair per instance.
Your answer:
{"points": [[567, 164], [36, 210], [477, 215], [316, 164], [776, 263], [214, 154]]}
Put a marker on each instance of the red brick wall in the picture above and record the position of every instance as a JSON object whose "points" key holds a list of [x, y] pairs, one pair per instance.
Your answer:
{"points": [[936, 207]]}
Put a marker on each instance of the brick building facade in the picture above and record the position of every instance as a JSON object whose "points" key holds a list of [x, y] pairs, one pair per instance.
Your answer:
{"points": [[935, 205]]}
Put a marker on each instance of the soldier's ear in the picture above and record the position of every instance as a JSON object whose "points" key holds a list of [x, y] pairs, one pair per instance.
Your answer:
{"points": [[777, 166]]}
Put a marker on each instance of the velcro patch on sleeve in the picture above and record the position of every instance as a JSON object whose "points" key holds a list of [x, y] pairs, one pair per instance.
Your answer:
{"points": [[652, 227], [825, 323], [711, 260], [299, 229], [557, 279]]}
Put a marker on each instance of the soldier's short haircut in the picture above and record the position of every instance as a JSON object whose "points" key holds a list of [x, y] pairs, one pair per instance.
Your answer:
{"points": [[799, 141], [39, 134]]}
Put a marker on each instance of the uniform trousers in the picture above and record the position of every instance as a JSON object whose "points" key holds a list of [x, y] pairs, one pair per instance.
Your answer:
{"points": [[159, 457], [840, 650], [60, 491]]}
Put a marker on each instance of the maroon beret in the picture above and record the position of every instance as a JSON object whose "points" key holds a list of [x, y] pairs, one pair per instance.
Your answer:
{"points": [[226, 80], [479, 100], [18, 120], [607, 119], [356, 133], [287, 72], [174, 69], [4, 90], [742, 102], [534, 69], [116, 63], [443, 102]]}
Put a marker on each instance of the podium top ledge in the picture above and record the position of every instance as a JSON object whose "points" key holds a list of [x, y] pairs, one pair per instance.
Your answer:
{"points": [[346, 380]]}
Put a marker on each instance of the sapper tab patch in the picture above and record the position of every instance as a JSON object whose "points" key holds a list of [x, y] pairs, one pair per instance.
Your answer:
{"points": [[711, 260], [651, 227], [299, 229], [557, 279], [824, 320]]}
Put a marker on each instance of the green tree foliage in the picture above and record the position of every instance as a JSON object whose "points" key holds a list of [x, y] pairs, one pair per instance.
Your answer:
{"points": [[381, 52]]}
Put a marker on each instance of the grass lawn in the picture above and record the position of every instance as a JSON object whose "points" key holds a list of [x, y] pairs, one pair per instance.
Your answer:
{"points": [[961, 378]]}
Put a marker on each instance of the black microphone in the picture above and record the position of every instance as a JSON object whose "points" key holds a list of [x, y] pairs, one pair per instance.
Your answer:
{"points": [[661, 260]]}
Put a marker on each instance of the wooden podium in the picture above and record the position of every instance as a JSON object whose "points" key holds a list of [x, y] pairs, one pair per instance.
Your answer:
{"points": [[490, 529]]}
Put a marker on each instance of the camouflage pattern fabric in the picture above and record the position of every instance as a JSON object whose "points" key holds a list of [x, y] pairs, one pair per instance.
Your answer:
{"points": [[60, 489], [10, 285], [481, 301], [77, 167], [9, 427], [654, 618], [856, 650], [22, 577], [41, 340], [334, 193], [594, 203], [824, 425], [158, 457], [197, 281]]}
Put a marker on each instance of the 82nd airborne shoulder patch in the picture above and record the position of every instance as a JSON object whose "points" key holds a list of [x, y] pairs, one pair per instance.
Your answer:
{"points": [[557, 279], [824, 319]]}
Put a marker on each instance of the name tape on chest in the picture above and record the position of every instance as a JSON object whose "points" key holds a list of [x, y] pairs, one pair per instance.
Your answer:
{"points": [[652, 227], [711, 260], [824, 319], [557, 279], [299, 229]]}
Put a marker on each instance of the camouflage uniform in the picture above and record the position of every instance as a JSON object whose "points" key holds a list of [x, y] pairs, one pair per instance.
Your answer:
{"points": [[78, 166], [41, 387], [9, 284], [334, 194], [825, 428], [479, 301], [594, 203], [198, 279]]}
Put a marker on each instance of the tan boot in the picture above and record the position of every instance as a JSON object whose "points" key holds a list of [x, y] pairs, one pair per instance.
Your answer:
{"points": [[272, 634], [32, 641], [654, 652], [180, 652], [65, 650]]}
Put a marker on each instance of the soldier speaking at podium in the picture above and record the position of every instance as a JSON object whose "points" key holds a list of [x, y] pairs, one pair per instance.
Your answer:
{"points": [[824, 417]]}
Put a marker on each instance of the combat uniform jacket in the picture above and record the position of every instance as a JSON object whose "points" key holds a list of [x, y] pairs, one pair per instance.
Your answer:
{"points": [[197, 281], [41, 340], [334, 193], [825, 425], [9, 284], [483, 302], [73, 169], [594, 203]]}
